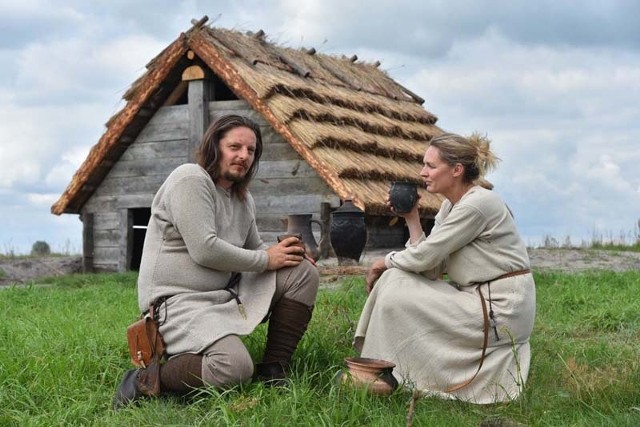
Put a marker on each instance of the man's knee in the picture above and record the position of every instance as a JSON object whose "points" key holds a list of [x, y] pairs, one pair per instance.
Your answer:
{"points": [[304, 282], [310, 274], [225, 369]]}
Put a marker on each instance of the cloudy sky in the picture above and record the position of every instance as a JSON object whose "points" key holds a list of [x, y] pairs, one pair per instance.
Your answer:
{"points": [[555, 86]]}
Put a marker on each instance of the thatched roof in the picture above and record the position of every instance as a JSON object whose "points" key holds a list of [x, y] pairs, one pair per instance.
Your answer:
{"points": [[356, 126]]}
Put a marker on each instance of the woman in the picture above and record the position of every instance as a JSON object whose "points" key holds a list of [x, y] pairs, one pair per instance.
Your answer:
{"points": [[467, 337]]}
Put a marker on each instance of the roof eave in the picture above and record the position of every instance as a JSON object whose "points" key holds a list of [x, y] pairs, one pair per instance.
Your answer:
{"points": [[81, 188]]}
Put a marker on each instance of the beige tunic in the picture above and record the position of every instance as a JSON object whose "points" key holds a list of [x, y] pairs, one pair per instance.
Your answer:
{"points": [[197, 235], [433, 329]]}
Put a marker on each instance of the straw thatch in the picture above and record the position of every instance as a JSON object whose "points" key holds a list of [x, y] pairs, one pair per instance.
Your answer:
{"points": [[353, 124]]}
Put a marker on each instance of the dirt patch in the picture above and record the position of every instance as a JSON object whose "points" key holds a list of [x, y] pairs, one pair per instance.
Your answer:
{"points": [[572, 260], [25, 270]]}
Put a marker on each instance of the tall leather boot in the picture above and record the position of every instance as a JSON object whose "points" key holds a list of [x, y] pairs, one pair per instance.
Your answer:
{"points": [[181, 374], [287, 324]]}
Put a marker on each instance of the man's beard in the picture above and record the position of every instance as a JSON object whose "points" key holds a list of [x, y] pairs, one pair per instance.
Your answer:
{"points": [[234, 177]]}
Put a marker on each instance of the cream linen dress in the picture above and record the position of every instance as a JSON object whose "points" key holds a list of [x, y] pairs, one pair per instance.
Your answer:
{"points": [[432, 329]]}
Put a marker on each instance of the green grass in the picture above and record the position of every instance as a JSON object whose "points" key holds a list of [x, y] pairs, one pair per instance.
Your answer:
{"points": [[64, 352], [616, 247]]}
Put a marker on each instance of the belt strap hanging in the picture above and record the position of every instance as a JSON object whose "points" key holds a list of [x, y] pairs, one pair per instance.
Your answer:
{"points": [[485, 327], [233, 281]]}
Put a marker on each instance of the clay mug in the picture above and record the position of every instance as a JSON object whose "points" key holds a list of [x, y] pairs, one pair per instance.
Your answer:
{"points": [[284, 236], [403, 195]]}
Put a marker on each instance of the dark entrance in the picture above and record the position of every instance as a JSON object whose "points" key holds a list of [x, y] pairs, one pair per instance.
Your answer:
{"points": [[140, 220]]}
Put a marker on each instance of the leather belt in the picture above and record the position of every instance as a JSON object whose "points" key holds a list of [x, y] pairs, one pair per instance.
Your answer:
{"points": [[507, 275]]}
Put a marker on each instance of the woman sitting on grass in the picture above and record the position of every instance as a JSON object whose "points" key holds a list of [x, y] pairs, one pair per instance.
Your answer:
{"points": [[468, 337]]}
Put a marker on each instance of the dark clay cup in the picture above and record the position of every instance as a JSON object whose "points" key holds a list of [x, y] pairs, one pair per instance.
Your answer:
{"points": [[281, 237], [299, 243], [403, 195]]}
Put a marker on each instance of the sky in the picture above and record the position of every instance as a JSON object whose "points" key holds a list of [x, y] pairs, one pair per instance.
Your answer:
{"points": [[554, 85]]}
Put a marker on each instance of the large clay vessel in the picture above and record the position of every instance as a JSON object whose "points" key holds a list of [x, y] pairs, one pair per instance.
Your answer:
{"points": [[301, 223], [348, 232]]}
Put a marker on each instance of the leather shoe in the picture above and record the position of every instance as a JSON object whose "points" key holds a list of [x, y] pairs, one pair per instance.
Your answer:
{"points": [[271, 374], [128, 391]]}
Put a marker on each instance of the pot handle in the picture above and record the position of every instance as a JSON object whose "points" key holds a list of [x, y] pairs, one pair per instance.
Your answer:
{"points": [[311, 221]]}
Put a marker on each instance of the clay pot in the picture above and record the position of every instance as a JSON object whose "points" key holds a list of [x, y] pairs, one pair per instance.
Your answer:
{"points": [[374, 374], [300, 224], [348, 232], [403, 195]]}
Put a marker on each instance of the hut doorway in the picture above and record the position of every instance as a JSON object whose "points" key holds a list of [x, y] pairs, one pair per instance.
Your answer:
{"points": [[140, 220]]}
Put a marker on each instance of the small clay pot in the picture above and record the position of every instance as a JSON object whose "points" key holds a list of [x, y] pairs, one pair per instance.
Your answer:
{"points": [[374, 374], [403, 195]]}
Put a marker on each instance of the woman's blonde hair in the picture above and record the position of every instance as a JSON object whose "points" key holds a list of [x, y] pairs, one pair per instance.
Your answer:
{"points": [[474, 153]]}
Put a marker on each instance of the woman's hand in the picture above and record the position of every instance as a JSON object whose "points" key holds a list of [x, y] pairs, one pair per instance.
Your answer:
{"points": [[411, 218], [374, 273], [288, 253], [413, 213]]}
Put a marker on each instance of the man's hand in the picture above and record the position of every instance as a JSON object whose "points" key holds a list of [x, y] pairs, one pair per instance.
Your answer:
{"points": [[374, 273], [287, 253]]}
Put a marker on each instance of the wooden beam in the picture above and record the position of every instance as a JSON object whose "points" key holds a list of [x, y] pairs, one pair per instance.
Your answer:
{"points": [[201, 22], [126, 240], [298, 69], [199, 93], [341, 76], [411, 94], [87, 242], [177, 93], [194, 72], [325, 240]]}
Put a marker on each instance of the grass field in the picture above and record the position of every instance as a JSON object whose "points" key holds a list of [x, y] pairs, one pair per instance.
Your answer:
{"points": [[64, 351]]}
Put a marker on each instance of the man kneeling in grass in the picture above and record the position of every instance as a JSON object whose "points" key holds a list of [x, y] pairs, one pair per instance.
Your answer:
{"points": [[210, 277]]}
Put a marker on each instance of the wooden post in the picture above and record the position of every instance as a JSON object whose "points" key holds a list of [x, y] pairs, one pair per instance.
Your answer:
{"points": [[325, 218], [199, 95], [126, 240], [87, 242]]}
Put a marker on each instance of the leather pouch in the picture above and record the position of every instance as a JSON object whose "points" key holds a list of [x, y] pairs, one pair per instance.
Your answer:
{"points": [[145, 342]]}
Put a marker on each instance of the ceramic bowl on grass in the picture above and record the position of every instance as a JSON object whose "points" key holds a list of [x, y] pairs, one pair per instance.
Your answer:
{"points": [[374, 374]]}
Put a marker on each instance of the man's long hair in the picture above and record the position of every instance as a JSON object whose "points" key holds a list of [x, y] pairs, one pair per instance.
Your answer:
{"points": [[208, 153]]}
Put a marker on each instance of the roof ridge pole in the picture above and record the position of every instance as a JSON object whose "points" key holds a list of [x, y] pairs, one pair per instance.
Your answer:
{"points": [[413, 95], [199, 23]]}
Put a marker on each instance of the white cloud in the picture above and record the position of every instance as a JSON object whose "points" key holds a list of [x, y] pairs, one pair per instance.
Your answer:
{"points": [[554, 85], [561, 118]]}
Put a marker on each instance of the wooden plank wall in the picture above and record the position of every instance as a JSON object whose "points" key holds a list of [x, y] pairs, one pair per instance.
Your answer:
{"points": [[133, 181], [285, 184]]}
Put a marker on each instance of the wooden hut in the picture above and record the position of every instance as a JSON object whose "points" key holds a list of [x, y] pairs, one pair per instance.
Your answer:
{"points": [[334, 128]]}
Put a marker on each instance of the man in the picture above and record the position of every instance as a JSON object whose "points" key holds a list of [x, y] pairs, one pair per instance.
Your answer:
{"points": [[201, 234]]}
